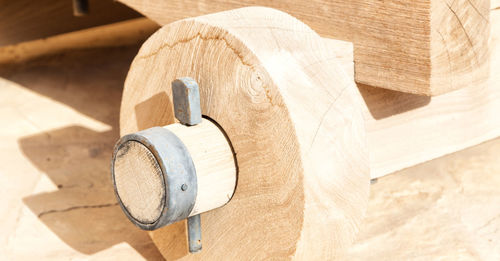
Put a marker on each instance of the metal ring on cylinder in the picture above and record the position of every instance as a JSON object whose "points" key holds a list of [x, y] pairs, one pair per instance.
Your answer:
{"points": [[165, 174]]}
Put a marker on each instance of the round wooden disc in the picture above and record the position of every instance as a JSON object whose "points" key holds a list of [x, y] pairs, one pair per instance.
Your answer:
{"points": [[292, 116]]}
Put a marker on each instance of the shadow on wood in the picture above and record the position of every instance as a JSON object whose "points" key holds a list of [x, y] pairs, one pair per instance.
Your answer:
{"points": [[159, 106], [383, 103], [82, 211]]}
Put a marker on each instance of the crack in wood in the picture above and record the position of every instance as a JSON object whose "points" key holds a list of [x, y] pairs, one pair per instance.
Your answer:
{"points": [[198, 35], [449, 58], [76, 207], [469, 40], [480, 14]]}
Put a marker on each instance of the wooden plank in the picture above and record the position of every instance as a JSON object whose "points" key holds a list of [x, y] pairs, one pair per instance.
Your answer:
{"points": [[25, 20], [425, 47]]}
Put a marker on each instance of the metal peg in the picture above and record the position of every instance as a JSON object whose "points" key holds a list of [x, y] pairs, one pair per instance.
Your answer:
{"points": [[186, 96], [194, 233]]}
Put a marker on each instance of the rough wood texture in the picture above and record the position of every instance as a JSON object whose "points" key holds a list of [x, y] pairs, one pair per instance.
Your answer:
{"points": [[214, 163], [404, 130], [425, 47], [125, 33], [63, 121], [445, 209], [139, 182], [292, 116], [56, 186], [25, 20], [459, 44]]}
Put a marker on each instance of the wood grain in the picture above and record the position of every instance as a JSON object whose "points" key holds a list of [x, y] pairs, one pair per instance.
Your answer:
{"points": [[425, 47], [214, 163], [293, 118], [404, 130]]}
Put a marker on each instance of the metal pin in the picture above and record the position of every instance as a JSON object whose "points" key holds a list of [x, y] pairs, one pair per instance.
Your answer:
{"points": [[194, 233], [186, 97]]}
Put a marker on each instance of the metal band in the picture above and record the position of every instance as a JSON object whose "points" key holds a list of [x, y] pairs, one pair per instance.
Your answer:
{"points": [[178, 171]]}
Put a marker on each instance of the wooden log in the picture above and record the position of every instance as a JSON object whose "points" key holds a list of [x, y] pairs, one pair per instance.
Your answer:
{"points": [[422, 47], [25, 20], [292, 116]]}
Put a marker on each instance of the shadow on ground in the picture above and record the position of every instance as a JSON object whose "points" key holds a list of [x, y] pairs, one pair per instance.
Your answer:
{"points": [[83, 211]]}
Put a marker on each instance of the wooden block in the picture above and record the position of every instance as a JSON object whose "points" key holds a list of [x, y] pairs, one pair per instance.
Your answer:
{"points": [[425, 47], [405, 129]]}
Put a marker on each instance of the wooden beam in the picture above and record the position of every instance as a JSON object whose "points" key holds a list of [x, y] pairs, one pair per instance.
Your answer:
{"points": [[424, 47], [405, 129], [25, 20]]}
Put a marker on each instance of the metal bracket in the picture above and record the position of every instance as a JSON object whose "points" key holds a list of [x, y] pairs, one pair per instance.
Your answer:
{"points": [[186, 96]]}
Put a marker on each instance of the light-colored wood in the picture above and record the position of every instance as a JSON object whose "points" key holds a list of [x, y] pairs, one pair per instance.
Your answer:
{"points": [[59, 167], [425, 47], [445, 209], [214, 163], [292, 116], [57, 194], [459, 44], [404, 130], [118, 34]]}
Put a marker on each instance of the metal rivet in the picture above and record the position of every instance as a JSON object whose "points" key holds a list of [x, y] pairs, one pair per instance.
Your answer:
{"points": [[184, 187]]}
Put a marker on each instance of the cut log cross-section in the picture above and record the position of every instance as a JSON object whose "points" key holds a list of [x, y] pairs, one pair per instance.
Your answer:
{"points": [[292, 116], [424, 47]]}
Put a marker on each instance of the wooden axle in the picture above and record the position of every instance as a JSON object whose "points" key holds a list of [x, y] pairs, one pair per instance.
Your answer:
{"points": [[214, 162], [152, 173]]}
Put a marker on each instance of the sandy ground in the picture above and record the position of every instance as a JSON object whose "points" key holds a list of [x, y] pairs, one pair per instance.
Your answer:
{"points": [[59, 120]]}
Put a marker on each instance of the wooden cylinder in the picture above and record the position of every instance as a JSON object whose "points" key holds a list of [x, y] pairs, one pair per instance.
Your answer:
{"points": [[163, 175], [213, 160], [294, 121]]}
